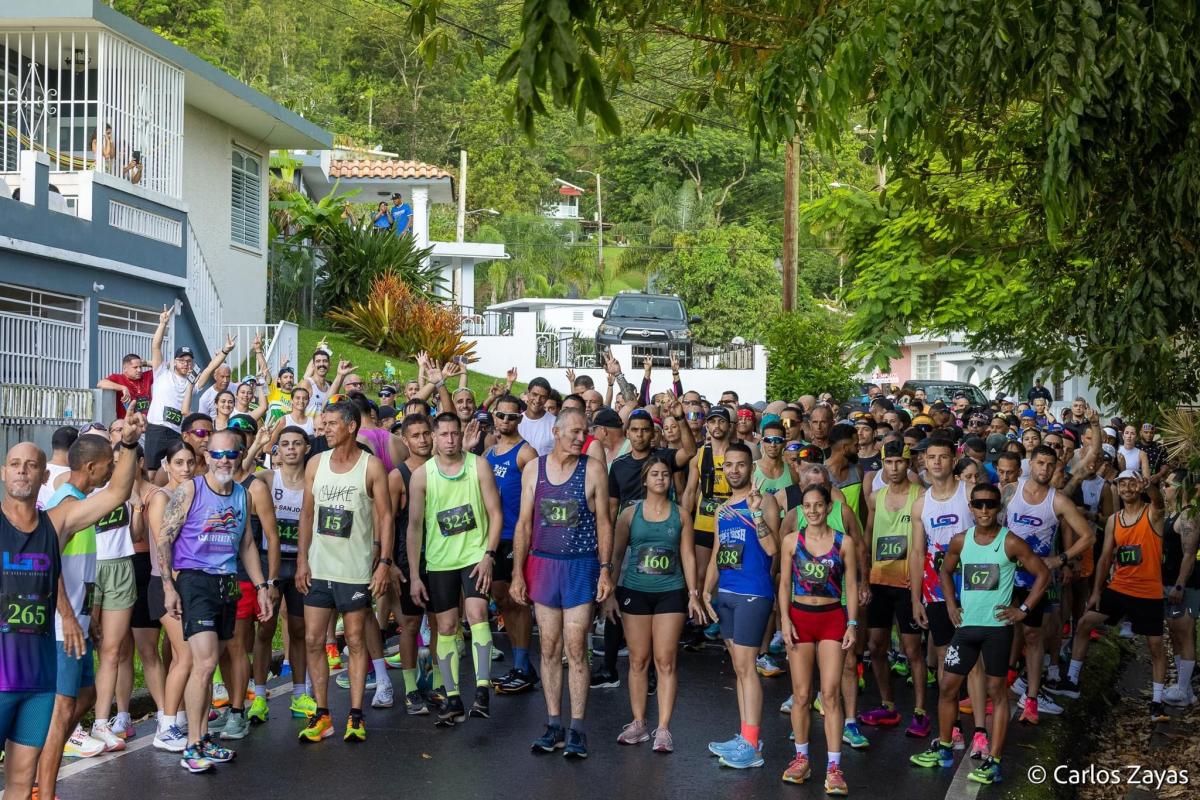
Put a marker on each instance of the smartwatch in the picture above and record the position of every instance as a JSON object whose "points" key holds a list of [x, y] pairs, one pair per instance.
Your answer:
{"points": [[490, 554], [387, 561], [1024, 609], [607, 565]]}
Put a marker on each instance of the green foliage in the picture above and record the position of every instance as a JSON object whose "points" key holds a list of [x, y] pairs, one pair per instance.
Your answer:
{"points": [[725, 275], [354, 255], [805, 355]]}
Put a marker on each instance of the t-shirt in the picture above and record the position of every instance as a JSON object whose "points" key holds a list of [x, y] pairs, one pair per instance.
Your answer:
{"points": [[166, 402], [208, 400], [279, 403], [401, 216], [538, 432], [139, 390], [625, 476]]}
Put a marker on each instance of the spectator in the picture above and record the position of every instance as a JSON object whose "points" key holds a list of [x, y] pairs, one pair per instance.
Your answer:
{"points": [[401, 215], [1039, 391], [133, 383], [381, 220], [208, 400]]}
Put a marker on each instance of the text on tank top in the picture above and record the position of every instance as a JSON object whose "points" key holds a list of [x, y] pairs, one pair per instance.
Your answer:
{"points": [[505, 469], [1036, 523], [891, 537], [817, 576], [28, 594], [288, 503], [986, 574], [1137, 558], [942, 520], [211, 536], [743, 566], [343, 522]]}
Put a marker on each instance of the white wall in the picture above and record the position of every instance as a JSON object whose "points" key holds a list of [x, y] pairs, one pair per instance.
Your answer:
{"points": [[240, 273]]}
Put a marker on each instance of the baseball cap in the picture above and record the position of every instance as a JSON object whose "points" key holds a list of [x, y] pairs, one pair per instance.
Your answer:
{"points": [[244, 423], [1110, 452], [995, 446], [1054, 427], [895, 449], [607, 418], [769, 418], [283, 370], [813, 454], [387, 390], [387, 412], [975, 443], [1147, 426], [1110, 432], [1128, 473], [719, 411], [1029, 413], [184, 352], [922, 419], [920, 446], [484, 417]]}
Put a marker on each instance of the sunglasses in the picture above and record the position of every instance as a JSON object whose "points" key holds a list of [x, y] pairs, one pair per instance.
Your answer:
{"points": [[985, 503], [794, 447], [95, 426], [200, 433], [879, 438], [222, 455], [772, 440], [352, 384], [507, 416], [387, 394], [694, 415]]}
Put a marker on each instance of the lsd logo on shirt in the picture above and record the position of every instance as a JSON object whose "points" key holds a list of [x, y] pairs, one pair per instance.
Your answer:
{"points": [[26, 562], [1027, 519], [944, 520]]}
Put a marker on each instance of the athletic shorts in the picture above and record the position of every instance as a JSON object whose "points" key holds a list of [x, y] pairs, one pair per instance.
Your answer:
{"points": [[891, 603], [1144, 614], [446, 585], [941, 629], [142, 617], [156, 602], [822, 623], [703, 539], [1190, 602], [158, 439], [116, 584], [993, 641], [344, 597], [1036, 614], [743, 617], [209, 603], [25, 717], [635, 601], [74, 673], [562, 582], [502, 570], [247, 604]]}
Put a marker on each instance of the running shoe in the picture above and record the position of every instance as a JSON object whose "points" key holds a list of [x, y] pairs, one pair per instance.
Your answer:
{"points": [[236, 728], [777, 645], [767, 666], [633, 733], [343, 680], [986, 773], [101, 731], [303, 706], [920, 727], [835, 781], [817, 706], [192, 759], [881, 717], [900, 667], [384, 696], [603, 679], [786, 706], [214, 752], [339, 629], [414, 704], [516, 681], [82, 745], [980, 747], [663, 742], [956, 738], [1020, 686], [1179, 696], [482, 707], [576, 744], [938, 755], [862, 679], [1064, 688], [713, 632], [333, 656], [436, 698], [798, 771], [742, 756], [930, 677], [258, 712], [721, 748], [356, 730], [220, 695], [1046, 704], [852, 736], [319, 727], [1029, 711], [218, 719], [452, 712], [555, 738], [122, 725], [171, 740], [497, 654], [1158, 713], [285, 671], [393, 661]]}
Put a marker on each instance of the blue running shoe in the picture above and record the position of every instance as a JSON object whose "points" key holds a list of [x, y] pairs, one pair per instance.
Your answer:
{"points": [[555, 738], [576, 744], [743, 756], [721, 748]]}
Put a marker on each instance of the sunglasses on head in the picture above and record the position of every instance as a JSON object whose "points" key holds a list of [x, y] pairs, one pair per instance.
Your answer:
{"points": [[985, 502], [221, 455], [794, 447], [773, 440], [200, 433], [507, 416], [95, 426]]}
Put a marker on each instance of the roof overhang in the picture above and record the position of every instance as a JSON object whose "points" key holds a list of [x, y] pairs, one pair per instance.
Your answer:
{"points": [[314, 171], [473, 251]]}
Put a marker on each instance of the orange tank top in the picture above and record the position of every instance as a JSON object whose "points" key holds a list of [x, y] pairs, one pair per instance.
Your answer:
{"points": [[1137, 559]]}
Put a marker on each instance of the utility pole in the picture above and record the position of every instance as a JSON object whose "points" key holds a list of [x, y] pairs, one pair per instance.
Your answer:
{"points": [[599, 222], [791, 229], [461, 229]]}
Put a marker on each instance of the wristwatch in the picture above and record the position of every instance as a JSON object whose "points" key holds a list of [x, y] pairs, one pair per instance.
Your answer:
{"points": [[490, 554], [607, 565], [1023, 608], [387, 561], [263, 585]]}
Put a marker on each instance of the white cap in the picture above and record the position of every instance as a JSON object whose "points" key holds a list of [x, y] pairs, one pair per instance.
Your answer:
{"points": [[1109, 450], [1129, 473], [1110, 432]]}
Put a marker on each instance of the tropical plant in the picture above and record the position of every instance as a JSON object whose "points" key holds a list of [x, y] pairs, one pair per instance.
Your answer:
{"points": [[805, 354], [353, 257]]}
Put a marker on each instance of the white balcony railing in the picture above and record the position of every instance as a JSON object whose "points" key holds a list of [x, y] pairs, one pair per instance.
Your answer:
{"points": [[279, 347], [202, 294]]}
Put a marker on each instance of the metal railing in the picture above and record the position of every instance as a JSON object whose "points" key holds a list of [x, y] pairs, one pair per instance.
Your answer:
{"points": [[20, 404], [730, 356], [40, 351], [202, 294], [483, 322], [565, 348], [279, 347]]}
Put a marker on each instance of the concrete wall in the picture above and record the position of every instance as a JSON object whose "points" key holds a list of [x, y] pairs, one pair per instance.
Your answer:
{"points": [[240, 273]]}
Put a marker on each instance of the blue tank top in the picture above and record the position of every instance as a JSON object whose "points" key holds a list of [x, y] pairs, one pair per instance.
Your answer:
{"points": [[508, 482], [212, 533], [744, 567], [563, 525], [28, 592], [817, 576]]}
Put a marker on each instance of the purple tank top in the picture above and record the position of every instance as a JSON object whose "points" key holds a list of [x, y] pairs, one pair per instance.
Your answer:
{"points": [[378, 438], [563, 525], [212, 532]]}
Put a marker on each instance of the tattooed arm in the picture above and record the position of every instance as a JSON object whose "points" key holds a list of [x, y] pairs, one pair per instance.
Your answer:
{"points": [[172, 523]]}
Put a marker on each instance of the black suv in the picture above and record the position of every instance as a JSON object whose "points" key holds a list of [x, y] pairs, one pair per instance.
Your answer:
{"points": [[657, 325]]}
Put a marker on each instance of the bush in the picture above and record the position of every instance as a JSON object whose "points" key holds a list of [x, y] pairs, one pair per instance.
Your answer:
{"points": [[397, 321], [805, 355], [354, 256]]}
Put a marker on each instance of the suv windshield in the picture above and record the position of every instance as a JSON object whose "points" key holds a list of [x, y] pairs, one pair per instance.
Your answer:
{"points": [[945, 392], [666, 308]]}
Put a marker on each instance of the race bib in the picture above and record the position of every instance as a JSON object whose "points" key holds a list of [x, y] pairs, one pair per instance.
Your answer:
{"points": [[89, 597], [652, 560], [981, 577], [814, 571], [117, 518], [729, 556], [172, 415], [289, 534], [1129, 555], [141, 405], [334, 521], [560, 513], [27, 614], [709, 506], [938, 557], [458, 520], [891, 548]]}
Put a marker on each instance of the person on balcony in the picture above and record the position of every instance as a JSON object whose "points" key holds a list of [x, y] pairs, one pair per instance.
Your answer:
{"points": [[381, 220], [104, 152], [401, 215]]}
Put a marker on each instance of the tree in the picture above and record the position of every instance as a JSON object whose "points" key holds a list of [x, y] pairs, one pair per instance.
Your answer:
{"points": [[805, 354]]}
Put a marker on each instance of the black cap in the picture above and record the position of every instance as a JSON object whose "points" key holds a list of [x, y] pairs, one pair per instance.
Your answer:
{"points": [[720, 411], [184, 352], [895, 449], [607, 418], [920, 446], [974, 443], [387, 390], [484, 417], [812, 454], [995, 446], [387, 412], [283, 370]]}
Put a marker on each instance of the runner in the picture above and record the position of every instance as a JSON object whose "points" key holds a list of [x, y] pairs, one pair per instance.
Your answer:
{"points": [[562, 551], [338, 562], [770, 471], [707, 489], [509, 457], [1181, 585], [165, 415], [817, 629], [656, 565], [202, 537], [740, 571], [454, 495], [315, 377], [988, 555], [536, 425]]}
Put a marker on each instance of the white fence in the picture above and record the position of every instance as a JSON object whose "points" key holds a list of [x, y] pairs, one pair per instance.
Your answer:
{"points": [[42, 338], [202, 294], [141, 222], [280, 342]]}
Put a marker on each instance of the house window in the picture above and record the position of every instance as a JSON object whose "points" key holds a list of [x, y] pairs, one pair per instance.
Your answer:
{"points": [[925, 367], [245, 202]]}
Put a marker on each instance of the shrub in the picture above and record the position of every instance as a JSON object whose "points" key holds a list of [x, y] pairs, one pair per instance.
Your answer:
{"points": [[355, 256], [805, 355]]}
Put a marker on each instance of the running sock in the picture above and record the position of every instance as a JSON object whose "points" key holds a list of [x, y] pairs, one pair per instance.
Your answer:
{"points": [[181, 720], [217, 676], [447, 656], [239, 711], [802, 749], [410, 680], [481, 651], [576, 724], [1157, 690], [381, 673], [835, 759], [555, 719], [750, 734], [1052, 672], [1073, 671], [298, 689], [260, 690], [356, 714], [521, 659], [1186, 668], [321, 712], [946, 745]]}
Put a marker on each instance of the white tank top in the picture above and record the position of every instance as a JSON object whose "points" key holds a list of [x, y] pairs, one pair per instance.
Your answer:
{"points": [[166, 398], [1133, 458], [877, 482], [113, 539], [1093, 491], [1036, 524], [287, 504], [46, 490], [316, 403], [945, 518]]}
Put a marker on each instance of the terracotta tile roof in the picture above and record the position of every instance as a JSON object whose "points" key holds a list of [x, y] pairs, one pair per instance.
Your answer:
{"points": [[374, 168]]}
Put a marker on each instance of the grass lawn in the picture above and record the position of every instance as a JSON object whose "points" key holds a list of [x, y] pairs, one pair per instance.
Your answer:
{"points": [[367, 361]]}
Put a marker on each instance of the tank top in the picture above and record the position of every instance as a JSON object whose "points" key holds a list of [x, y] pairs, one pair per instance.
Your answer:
{"points": [[166, 398], [942, 520], [455, 520], [288, 503], [28, 594], [1173, 556], [713, 489], [154, 570], [113, 538], [852, 488], [378, 438], [78, 565], [1036, 524], [743, 566], [1132, 456], [1137, 560], [817, 576], [343, 523], [987, 579], [563, 525], [652, 562], [506, 471], [878, 482], [212, 533], [46, 490], [891, 537], [316, 402], [773, 485]]}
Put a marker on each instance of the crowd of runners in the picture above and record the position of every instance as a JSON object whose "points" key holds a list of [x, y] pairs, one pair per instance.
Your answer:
{"points": [[970, 552]]}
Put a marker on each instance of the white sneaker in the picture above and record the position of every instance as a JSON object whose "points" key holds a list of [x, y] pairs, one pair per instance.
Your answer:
{"points": [[497, 654], [1019, 687], [81, 745], [1046, 704], [172, 740], [220, 694], [112, 743], [383, 697], [122, 726], [1126, 630], [786, 706], [1179, 696]]}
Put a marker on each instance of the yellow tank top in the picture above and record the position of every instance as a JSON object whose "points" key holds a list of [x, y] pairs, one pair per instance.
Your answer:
{"points": [[343, 523]]}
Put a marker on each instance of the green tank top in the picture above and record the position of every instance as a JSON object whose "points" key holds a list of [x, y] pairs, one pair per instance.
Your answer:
{"points": [[833, 519], [455, 519], [652, 559], [890, 539], [343, 523], [773, 485], [987, 579]]}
